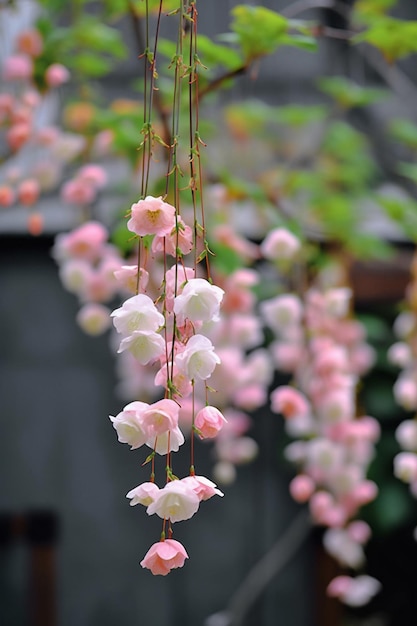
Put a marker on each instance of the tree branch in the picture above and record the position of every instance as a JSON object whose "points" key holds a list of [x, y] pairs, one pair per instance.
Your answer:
{"points": [[263, 572]]}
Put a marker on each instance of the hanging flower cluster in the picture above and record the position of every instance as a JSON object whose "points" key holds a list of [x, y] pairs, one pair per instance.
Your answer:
{"points": [[324, 349], [169, 330], [403, 354]]}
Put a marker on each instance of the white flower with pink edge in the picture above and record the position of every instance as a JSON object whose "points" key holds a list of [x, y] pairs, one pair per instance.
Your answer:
{"points": [[199, 301], [177, 501], [143, 494], [198, 359]]}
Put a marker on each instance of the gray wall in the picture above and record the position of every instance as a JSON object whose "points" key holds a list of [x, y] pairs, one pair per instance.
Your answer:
{"points": [[59, 452]]}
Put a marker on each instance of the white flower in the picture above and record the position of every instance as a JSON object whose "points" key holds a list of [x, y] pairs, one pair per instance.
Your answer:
{"points": [[337, 301], [362, 589], [280, 243], [198, 360], [143, 494], [405, 466], [176, 501], [406, 435], [137, 313], [145, 345], [94, 318], [128, 425], [170, 441], [343, 548], [199, 301], [282, 312]]}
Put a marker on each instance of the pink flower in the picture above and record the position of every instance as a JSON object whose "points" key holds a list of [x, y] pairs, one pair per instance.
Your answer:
{"points": [[227, 235], [238, 450], [287, 356], [164, 556], [289, 402], [7, 196], [93, 174], [359, 531], [85, 242], [354, 591], [180, 238], [28, 191], [177, 501], [279, 244], [209, 421], [78, 191], [144, 494], [18, 134], [30, 42], [152, 216], [203, 487], [127, 276], [56, 75], [160, 417], [18, 67], [181, 383], [302, 487], [198, 359]]}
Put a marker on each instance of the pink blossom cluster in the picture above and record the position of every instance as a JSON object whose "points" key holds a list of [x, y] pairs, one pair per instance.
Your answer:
{"points": [[324, 349], [37, 150], [88, 267], [403, 355], [166, 331]]}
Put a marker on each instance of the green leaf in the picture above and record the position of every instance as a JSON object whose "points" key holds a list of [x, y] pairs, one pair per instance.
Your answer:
{"points": [[403, 211], [394, 38], [409, 170], [299, 116], [123, 238], [305, 42], [367, 10], [213, 54], [348, 94], [90, 64], [259, 30], [405, 132], [95, 36]]}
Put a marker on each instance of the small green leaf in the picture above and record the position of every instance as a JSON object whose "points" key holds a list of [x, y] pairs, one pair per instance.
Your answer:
{"points": [[259, 30], [348, 94], [405, 132], [217, 55], [91, 64], [394, 38]]}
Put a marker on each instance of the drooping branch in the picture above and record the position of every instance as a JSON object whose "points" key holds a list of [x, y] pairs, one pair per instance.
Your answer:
{"points": [[157, 100]]}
